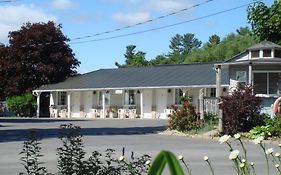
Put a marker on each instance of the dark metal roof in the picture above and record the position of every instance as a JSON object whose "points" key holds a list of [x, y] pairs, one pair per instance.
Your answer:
{"points": [[264, 45], [151, 77]]}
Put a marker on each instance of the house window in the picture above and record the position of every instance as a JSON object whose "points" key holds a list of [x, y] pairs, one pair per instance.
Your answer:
{"points": [[241, 76], [61, 98], [273, 82], [212, 92], [260, 83], [266, 53], [267, 83], [106, 98], [129, 97], [255, 54], [178, 96], [277, 53]]}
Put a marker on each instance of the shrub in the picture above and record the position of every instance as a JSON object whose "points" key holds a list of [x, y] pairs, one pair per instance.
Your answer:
{"points": [[23, 105], [71, 158], [30, 156], [184, 118], [241, 111], [264, 131]]}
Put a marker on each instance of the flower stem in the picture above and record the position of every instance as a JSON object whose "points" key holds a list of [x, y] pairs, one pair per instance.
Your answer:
{"points": [[266, 157], [212, 170]]}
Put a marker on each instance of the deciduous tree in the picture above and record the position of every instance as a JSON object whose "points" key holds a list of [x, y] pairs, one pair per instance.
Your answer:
{"points": [[266, 21], [37, 54]]}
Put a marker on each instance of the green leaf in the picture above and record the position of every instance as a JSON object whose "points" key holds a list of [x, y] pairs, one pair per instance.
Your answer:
{"points": [[163, 158]]}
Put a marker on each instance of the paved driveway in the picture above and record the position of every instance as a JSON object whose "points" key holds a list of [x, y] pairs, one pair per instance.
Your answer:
{"points": [[141, 139]]}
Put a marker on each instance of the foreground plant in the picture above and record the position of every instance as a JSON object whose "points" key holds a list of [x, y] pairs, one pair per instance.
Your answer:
{"points": [[206, 158], [30, 157], [72, 161], [163, 158]]}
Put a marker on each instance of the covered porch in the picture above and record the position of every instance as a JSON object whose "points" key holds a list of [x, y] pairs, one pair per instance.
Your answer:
{"points": [[150, 103]]}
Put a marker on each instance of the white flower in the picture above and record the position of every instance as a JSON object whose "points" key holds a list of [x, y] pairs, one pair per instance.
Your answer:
{"points": [[206, 158], [242, 165], [252, 164], [243, 160], [121, 158], [258, 140], [269, 151], [237, 136], [277, 165], [233, 154], [147, 162], [180, 157], [279, 144], [277, 155], [224, 138]]}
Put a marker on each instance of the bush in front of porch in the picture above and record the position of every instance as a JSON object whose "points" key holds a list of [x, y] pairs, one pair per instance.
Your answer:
{"points": [[23, 105], [241, 111], [184, 118]]}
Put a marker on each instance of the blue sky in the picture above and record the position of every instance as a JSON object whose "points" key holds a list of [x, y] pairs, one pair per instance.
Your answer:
{"points": [[87, 17]]}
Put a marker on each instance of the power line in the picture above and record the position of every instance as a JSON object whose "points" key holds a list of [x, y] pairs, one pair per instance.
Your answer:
{"points": [[128, 26], [162, 27], [144, 22], [140, 32]]}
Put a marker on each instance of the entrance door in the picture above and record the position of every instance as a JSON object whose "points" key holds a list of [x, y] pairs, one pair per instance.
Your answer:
{"points": [[44, 104], [161, 102]]}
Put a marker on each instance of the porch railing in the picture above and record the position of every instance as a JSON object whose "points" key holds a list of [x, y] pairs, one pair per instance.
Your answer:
{"points": [[210, 105]]}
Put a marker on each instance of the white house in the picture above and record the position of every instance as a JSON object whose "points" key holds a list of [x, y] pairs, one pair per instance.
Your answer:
{"points": [[149, 92]]}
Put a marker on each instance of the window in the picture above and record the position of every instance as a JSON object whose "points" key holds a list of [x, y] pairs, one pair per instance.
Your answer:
{"points": [[277, 53], [266, 53], [106, 98], [213, 92], [61, 98], [241, 76], [267, 83], [129, 97], [273, 82], [260, 84], [255, 54], [178, 95]]}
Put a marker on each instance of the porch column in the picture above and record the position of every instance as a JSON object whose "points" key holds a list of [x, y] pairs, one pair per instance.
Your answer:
{"points": [[68, 104], [38, 104], [141, 104], [250, 73], [218, 94], [103, 104], [201, 103], [52, 99]]}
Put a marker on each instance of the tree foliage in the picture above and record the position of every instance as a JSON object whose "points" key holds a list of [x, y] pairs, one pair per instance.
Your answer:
{"points": [[3, 74], [133, 58], [232, 44], [266, 21], [37, 54], [184, 44]]}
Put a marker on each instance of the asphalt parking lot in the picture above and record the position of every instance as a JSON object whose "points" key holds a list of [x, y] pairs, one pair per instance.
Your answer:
{"points": [[139, 136]]}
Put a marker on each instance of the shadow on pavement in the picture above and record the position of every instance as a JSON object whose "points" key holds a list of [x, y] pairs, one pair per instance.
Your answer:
{"points": [[35, 120], [24, 134]]}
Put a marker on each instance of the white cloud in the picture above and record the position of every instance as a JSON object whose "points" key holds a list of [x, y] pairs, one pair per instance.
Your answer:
{"points": [[15, 16], [62, 4], [134, 11], [131, 17], [167, 5]]}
